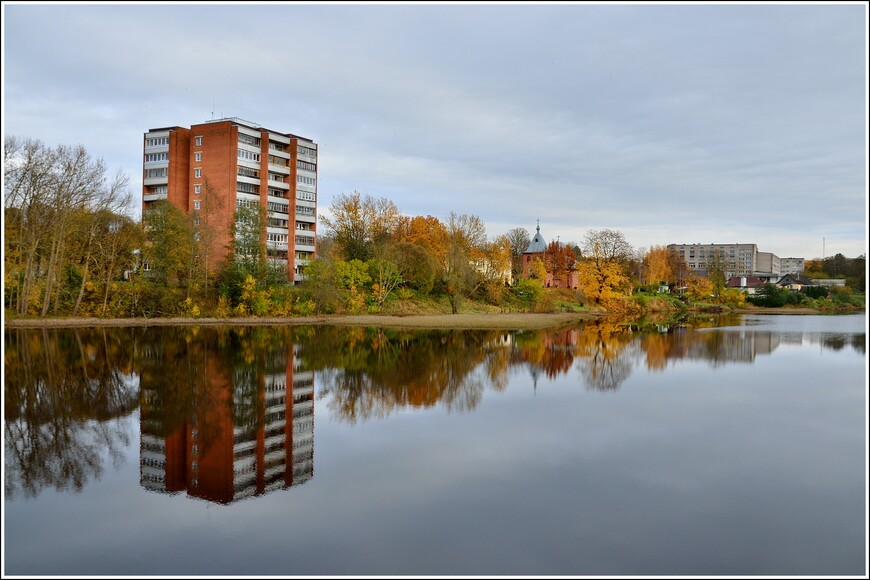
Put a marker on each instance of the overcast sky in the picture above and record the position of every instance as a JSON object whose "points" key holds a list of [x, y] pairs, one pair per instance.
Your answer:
{"points": [[671, 123]]}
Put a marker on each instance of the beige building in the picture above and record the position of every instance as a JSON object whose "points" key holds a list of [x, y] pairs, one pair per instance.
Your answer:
{"points": [[737, 259], [792, 266]]}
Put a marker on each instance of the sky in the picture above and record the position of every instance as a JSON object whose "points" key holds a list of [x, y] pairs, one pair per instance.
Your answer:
{"points": [[671, 123]]}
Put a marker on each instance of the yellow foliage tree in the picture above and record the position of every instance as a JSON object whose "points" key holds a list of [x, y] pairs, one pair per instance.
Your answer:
{"points": [[603, 281], [657, 265], [699, 288], [538, 271]]}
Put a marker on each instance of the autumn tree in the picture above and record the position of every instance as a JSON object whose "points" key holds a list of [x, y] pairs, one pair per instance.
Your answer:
{"points": [[699, 288], [466, 241], [50, 198], [537, 270], [358, 224], [430, 233], [657, 267], [558, 260], [602, 272]]}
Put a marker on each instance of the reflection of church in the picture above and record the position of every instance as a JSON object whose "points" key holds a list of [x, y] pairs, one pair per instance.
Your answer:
{"points": [[241, 434]]}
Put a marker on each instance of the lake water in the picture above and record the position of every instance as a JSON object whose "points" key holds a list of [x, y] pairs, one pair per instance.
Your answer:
{"points": [[737, 447]]}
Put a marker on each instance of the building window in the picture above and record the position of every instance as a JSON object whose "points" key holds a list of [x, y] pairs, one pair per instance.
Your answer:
{"points": [[199, 141], [248, 156], [196, 204], [197, 172], [305, 180], [197, 189], [247, 188], [248, 140], [198, 156]]}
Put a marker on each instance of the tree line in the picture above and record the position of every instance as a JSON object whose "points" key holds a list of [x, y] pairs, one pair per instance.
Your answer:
{"points": [[70, 249]]}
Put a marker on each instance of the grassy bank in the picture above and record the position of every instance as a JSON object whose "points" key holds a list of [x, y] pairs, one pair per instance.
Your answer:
{"points": [[559, 308]]}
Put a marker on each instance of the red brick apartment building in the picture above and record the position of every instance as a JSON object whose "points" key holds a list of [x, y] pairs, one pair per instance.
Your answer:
{"points": [[223, 164]]}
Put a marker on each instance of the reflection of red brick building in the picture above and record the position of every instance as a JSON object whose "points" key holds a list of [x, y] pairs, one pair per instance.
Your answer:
{"points": [[538, 250], [244, 435]]}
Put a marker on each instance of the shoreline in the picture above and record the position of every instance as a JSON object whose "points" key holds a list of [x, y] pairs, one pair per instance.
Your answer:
{"points": [[516, 321], [499, 321]]}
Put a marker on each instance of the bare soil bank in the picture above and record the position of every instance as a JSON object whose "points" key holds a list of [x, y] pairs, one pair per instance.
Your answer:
{"points": [[486, 321]]}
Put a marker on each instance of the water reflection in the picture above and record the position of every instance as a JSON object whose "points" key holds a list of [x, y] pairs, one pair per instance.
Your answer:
{"points": [[228, 413], [64, 393]]}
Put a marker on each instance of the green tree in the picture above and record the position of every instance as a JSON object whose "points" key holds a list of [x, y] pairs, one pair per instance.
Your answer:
{"points": [[169, 244], [416, 265]]}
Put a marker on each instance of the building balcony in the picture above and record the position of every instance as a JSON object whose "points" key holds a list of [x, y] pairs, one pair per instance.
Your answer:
{"points": [[154, 196], [279, 184], [246, 179], [156, 180], [279, 153], [282, 169]]}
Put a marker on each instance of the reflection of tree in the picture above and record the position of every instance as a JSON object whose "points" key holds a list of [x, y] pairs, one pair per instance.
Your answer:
{"points": [[603, 361], [552, 352], [658, 348], [372, 372], [64, 393]]}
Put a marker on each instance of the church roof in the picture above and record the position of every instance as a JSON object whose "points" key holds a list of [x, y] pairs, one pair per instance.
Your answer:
{"points": [[538, 244]]}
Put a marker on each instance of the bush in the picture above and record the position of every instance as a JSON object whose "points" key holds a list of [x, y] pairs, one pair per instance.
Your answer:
{"points": [[773, 296], [526, 293], [815, 291]]}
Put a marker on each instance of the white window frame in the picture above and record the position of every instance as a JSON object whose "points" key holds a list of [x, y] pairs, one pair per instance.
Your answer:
{"points": [[198, 140], [197, 172], [196, 204], [197, 189], [198, 156]]}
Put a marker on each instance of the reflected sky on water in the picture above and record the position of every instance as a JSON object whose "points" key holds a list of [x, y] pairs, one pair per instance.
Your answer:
{"points": [[727, 447]]}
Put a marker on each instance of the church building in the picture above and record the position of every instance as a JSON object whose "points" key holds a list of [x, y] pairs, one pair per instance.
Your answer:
{"points": [[538, 250]]}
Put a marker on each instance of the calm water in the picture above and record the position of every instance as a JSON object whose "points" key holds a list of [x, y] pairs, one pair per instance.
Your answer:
{"points": [[734, 449]]}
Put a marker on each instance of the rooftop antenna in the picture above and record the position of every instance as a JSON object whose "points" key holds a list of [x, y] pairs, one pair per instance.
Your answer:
{"points": [[212, 109]]}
